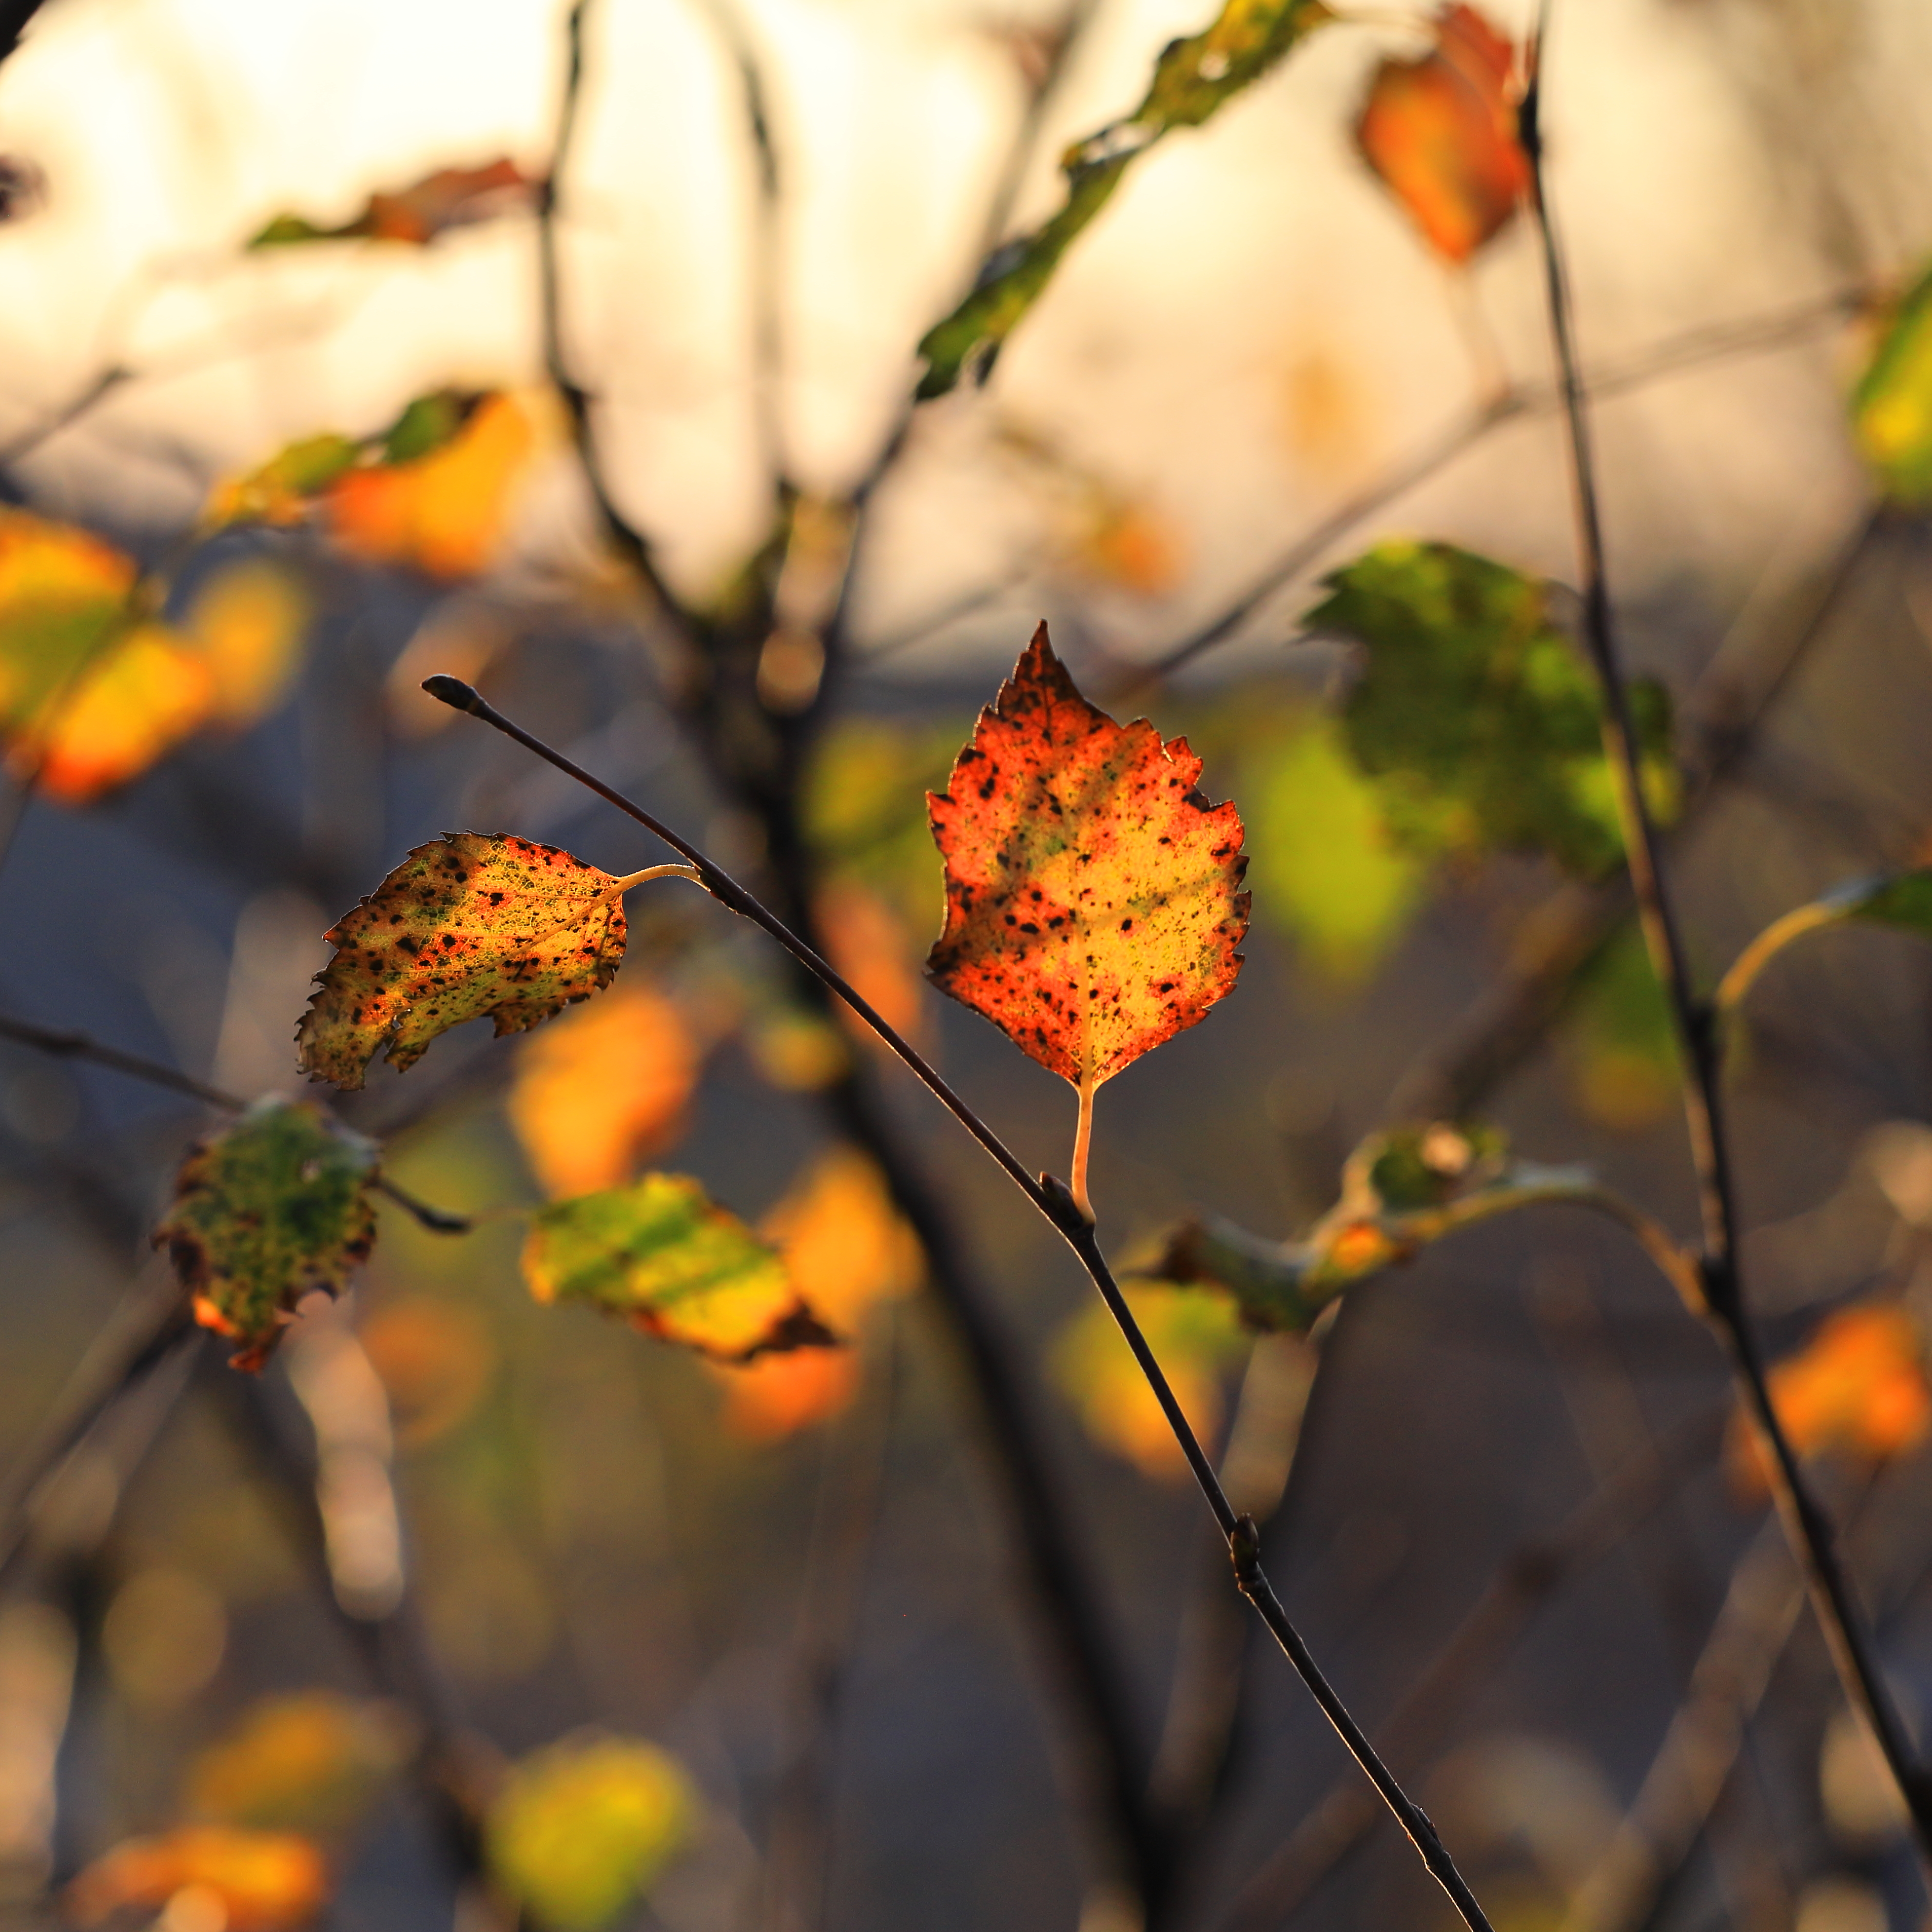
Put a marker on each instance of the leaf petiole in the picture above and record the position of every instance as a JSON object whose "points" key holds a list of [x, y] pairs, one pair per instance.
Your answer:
{"points": [[669, 872]]}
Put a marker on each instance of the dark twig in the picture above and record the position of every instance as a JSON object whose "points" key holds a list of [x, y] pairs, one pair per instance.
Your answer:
{"points": [[1806, 1522], [14, 15], [1053, 1200]]}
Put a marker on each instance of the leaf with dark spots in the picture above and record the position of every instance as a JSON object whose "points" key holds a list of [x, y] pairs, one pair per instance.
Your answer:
{"points": [[265, 1212], [517, 932]]}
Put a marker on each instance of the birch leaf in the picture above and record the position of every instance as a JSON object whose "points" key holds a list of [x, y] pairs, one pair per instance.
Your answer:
{"points": [[1092, 901], [264, 1212], [1195, 77], [417, 214], [478, 923], [662, 1254]]}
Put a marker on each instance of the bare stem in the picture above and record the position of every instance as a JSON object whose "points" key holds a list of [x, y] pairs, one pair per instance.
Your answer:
{"points": [[1806, 1523], [1056, 1202]]}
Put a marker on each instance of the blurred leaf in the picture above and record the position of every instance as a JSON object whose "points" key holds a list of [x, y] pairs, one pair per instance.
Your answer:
{"points": [[266, 1211], [847, 1248], [1440, 131], [662, 1254], [310, 1761], [417, 214], [283, 491], [247, 624], [1332, 874], [250, 1881], [1194, 1337], [1482, 724], [583, 1829], [136, 701], [1892, 407], [863, 804], [1623, 1067], [477, 923], [1130, 546], [604, 1090], [1091, 905], [1858, 1386], [865, 941], [435, 1358], [1192, 79]]}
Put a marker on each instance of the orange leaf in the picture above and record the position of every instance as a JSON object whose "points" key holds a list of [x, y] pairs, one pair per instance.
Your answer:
{"points": [[417, 214], [254, 1881], [604, 1091], [1092, 907], [1440, 132], [864, 939], [138, 700], [444, 512], [246, 624], [434, 1358], [1858, 1385], [776, 1396]]}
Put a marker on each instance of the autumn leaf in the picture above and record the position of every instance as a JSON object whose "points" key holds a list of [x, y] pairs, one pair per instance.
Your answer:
{"points": [[310, 1761], [246, 623], [282, 491], [138, 700], [1092, 902], [1858, 1385], [584, 1828], [476, 924], [662, 1254], [435, 1358], [245, 1881], [1892, 407], [418, 214], [1477, 717], [1195, 77], [265, 1212], [1620, 1044], [1440, 132], [1194, 1336], [847, 1249], [865, 940], [604, 1090]]}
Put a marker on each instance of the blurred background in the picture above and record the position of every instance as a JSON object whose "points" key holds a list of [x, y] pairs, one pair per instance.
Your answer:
{"points": [[471, 1608]]}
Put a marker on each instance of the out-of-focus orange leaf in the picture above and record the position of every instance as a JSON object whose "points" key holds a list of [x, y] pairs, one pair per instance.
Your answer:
{"points": [[253, 1881], [1193, 1335], [476, 923], [604, 1090], [311, 1761], [868, 942], [1858, 1385], [847, 1248], [435, 1359], [1127, 544], [1092, 907], [138, 699], [1440, 132], [443, 512], [449, 198], [246, 624]]}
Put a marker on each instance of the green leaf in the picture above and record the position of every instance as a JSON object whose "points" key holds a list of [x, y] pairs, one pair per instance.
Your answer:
{"points": [[1891, 408], [582, 1828], [428, 422], [1193, 79], [266, 1211], [662, 1254], [1474, 712]]}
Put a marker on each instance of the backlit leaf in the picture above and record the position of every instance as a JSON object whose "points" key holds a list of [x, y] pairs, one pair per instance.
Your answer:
{"points": [[244, 1881], [1858, 1385], [309, 1761], [283, 491], [1092, 907], [1478, 717], [1194, 1337], [604, 1090], [864, 939], [847, 1249], [61, 592], [660, 1253], [1193, 79], [246, 624], [266, 1211], [1440, 130], [478, 923], [417, 214], [435, 1357], [1891, 408], [583, 1829], [137, 700]]}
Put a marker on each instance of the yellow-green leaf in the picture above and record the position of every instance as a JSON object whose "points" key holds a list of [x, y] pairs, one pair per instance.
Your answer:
{"points": [[663, 1255], [264, 1212], [1892, 409], [478, 923], [1194, 78], [583, 1829]]}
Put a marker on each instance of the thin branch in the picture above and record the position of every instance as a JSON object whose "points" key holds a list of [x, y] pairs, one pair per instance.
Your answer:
{"points": [[1806, 1522], [1055, 1203]]}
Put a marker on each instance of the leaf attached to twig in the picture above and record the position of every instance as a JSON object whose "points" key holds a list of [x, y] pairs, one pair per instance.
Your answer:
{"points": [[1092, 907], [477, 923], [265, 1212], [662, 1254], [1194, 79], [449, 198]]}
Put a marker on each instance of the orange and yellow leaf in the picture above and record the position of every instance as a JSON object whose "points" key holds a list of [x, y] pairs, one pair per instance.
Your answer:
{"points": [[252, 1881]]}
